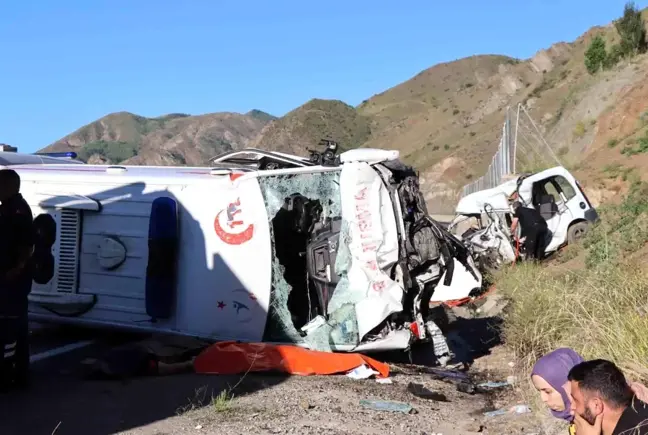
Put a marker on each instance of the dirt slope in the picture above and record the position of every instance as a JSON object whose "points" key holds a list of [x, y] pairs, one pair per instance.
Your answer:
{"points": [[446, 120]]}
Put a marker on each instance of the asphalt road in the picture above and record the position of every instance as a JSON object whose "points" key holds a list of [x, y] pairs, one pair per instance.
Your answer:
{"points": [[62, 401], [58, 388], [53, 347]]}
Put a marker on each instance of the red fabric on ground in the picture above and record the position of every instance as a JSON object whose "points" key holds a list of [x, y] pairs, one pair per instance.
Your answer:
{"points": [[229, 358]]}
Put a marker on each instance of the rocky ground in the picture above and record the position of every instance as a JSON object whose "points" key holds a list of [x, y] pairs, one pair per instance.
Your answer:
{"points": [[62, 403], [332, 405]]}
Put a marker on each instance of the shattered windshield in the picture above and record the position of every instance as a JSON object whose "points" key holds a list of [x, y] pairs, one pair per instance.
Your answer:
{"points": [[334, 236], [294, 203], [324, 186]]}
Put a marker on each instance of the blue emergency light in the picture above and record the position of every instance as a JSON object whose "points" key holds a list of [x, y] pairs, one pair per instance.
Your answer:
{"points": [[162, 258]]}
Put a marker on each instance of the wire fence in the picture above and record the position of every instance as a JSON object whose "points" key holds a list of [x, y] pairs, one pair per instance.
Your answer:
{"points": [[522, 148], [502, 164]]}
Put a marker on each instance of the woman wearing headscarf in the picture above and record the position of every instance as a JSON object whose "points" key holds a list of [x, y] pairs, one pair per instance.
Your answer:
{"points": [[549, 377]]}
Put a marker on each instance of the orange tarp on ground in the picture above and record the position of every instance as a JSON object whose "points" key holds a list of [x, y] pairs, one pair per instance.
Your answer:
{"points": [[229, 358]]}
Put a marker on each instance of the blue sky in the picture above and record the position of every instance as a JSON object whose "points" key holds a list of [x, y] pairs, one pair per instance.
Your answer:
{"points": [[68, 62]]}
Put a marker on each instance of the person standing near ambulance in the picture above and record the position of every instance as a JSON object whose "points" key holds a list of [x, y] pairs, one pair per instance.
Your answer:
{"points": [[16, 246]]}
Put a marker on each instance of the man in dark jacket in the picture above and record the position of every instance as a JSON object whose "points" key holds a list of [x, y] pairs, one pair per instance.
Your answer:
{"points": [[533, 228], [16, 244], [602, 401]]}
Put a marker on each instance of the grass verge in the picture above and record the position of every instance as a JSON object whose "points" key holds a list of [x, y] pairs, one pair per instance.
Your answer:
{"points": [[598, 307]]}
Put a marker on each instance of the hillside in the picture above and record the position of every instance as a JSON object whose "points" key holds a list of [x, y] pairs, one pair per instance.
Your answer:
{"points": [[302, 128], [170, 139], [446, 120]]}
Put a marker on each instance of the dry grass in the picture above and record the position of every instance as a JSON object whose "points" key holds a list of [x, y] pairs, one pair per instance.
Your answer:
{"points": [[219, 402], [599, 309], [600, 314]]}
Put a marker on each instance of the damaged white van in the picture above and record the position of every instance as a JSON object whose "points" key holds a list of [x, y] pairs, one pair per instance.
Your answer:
{"points": [[554, 192], [334, 252]]}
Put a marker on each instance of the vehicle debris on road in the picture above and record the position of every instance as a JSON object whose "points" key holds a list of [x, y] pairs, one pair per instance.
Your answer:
{"points": [[388, 405], [362, 372], [517, 409]]}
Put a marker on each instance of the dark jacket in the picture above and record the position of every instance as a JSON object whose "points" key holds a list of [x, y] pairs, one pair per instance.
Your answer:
{"points": [[16, 238], [634, 420], [531, 221]]}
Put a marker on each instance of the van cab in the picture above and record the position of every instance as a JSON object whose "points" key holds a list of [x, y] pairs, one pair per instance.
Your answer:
{"points": [[554, 192]]}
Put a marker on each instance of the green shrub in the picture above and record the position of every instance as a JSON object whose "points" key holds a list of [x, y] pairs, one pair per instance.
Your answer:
{"points": [[614, 56], [595, 55], [640, 147], [632, 30], [579, 130], [115, 152]]}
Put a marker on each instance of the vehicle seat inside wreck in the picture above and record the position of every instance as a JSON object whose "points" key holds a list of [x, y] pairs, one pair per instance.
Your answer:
{"points": [[548, 207], [544, 201], [303, 250]]}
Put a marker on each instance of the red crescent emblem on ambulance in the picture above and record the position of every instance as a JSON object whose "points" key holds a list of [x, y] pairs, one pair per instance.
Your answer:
{"points": [[233, 221]]}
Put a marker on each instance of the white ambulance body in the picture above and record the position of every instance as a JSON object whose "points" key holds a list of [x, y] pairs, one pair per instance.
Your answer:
{"points": [[328, 256]]}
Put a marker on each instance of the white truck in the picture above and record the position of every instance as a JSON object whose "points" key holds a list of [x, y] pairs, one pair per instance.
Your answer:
{"points": [[554, 192], [334, 252]]}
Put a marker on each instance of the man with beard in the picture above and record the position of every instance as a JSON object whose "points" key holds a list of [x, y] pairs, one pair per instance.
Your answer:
{"points": [[602, 401]]}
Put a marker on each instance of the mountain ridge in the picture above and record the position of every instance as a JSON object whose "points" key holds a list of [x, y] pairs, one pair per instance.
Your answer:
{"points": [[446, 120]]}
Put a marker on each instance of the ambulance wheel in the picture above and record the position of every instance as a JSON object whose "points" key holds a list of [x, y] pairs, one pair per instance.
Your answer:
{"points": [[576, 232]]}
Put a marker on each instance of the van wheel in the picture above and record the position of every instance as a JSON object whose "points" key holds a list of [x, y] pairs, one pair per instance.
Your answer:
{"points": [[576, 232]]}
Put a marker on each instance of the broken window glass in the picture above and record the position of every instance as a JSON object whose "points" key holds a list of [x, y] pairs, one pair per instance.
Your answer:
{"points": [[294, 203], [317, 291]]}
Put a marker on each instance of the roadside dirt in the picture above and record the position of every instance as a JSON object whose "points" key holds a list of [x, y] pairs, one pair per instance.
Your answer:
{"points": [[262, 404], [62, 403], [332, 406]]}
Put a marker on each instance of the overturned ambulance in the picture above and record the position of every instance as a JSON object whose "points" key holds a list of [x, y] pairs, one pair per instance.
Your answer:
{"points": [[554, 192], [331, 252]]}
